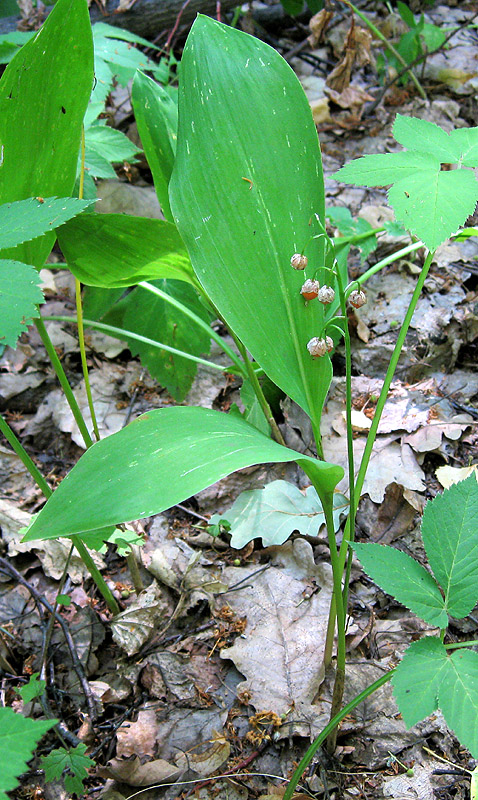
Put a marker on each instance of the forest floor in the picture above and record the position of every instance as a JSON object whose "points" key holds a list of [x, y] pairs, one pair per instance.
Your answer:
{"points": [[195, 678]]}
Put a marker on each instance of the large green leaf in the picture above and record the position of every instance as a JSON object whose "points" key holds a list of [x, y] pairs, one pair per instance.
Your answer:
{"points": [[450, 536], [160, 459], [417, 678], [24, 220], [458, 697], [114, 250], [156, 115], [246, 185], [19, 299], [18, 738], [44, 92], [405, 579]]}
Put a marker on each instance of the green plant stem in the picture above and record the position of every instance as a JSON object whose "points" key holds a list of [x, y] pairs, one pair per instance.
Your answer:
{"points": [[381, 404], [384, 262], [22, 453], [389, 46], [84, 365], [456, 645], [120, 333], [134, 572], [332, 725], [60, 374], [76, 540], [200, 322], [266, 409]]}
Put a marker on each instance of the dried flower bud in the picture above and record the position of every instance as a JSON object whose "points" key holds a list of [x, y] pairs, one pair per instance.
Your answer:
{"points": [[326, 295], [298, 261], [329, 342], [310, 289], [317, 347], [357, 299]]}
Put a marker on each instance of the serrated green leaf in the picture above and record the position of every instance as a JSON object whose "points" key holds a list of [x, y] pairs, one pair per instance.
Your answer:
{"points": [[121, 54], [103, 30], [383, 169], [434, 204], [18, 740], [74, 761], [110, 144], [420, 135], [149, 315], [24, 220], [19, 299], [34, 688], [405, 579], [160, 459], [416, 680], [114, 250], [450, 536], [44, 93], [156, 115], [96, 165], [245, 134], [276, 511], [466, 140], [458, 697]]}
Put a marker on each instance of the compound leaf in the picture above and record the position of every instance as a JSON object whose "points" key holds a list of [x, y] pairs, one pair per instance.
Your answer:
{"points": [[74, 761], [245, 190], [160, 459], [450, 536], [405, 579], [275, 511], [26, 219], [417, 678], [18, 738], [44, 93], [426, 137], [114, 250], [19, 299]]}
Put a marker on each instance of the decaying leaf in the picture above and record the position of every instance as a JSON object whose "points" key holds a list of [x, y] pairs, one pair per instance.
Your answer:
{"points": [[208, 761], [138, 738], [135, 773], [133, 627]]}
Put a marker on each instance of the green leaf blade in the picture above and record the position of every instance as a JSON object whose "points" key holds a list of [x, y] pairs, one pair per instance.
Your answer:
{"points": [[25, 220], [117, 250], [426, 137], [450, 536], [401, 576], [382, 169], [246, 186], [416, 680], [458, 697], [18, 738], [19, 299], [74, 761], [160, 459]]}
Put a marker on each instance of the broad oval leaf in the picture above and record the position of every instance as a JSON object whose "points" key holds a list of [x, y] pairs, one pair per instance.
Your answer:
{"points": [[246, 186], [417, 678], [115, 250], [405, 579], [44, 93], [160, 459], [156, 115]]}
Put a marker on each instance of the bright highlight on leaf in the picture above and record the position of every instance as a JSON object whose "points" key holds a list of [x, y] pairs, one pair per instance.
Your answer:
{"points": [[19, 299], [429, 198], [18, 739]]}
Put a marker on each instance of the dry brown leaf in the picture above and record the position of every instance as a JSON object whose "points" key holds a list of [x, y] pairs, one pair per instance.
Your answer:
{"points": [[138, 738], [318, 24], [209, 760], [450, 475], [133, 627], [135, 773], [352, 97]]}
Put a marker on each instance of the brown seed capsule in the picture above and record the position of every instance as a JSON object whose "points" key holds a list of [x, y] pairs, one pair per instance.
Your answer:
{"points": [[326, 295], [298, 261], [357, 299], [329, 343], [317, 347], [310, 289]]}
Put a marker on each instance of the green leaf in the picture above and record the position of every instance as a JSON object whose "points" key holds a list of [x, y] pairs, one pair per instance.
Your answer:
{"points": [[246, 186], [149, 315], [74, 761], [458, 697], [19, 299], [466, 139], [114, 250], [406, 14], [160, 459], [417, 679], [293, 7], [253, 412], [96, 166], [44, 92], [420, 135], [110, 144], [121, 55], [450, 536], [26, 219], [405, 579], [18, 739], [433, 205], [102, 29], [386, 168], [34, 688], [156, 115], [275, 512]]}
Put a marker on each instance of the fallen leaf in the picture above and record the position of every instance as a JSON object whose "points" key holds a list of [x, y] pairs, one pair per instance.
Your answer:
{"points": [[132, 628], [318, 25], [138, 738], [207, 762], [134, 773], [450, 475]]}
